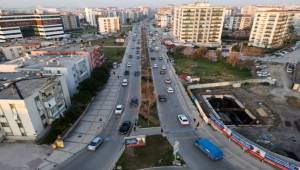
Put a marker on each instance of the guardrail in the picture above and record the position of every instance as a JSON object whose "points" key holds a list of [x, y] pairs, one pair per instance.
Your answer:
{"points": [[248, 146]]}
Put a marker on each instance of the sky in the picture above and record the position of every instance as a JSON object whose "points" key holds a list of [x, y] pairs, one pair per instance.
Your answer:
{"points": [[130, 3]]}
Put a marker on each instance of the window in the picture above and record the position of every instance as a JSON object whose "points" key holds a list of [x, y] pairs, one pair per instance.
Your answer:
{"points": [[4, 124]]}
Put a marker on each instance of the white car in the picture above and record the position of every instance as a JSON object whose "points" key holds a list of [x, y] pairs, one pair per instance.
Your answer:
{"points": [[124, 82], [95, 143], [163, 67], [155, 65], [170, 90], [128, 65], [119, 109], [183, 119]]}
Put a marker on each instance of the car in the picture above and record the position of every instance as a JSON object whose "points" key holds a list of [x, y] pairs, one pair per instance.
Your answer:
{"points": [[162, 98], [128, 65], [134, 102], [119, 109], [124, 82], [163, 67], [162, 72], [160, 58], [170, 90], [95, 143], [126, 72], [130, 56], [153, 58], [168, 81], [155, 65], [183, 120], [125, 127], [136, 73]]}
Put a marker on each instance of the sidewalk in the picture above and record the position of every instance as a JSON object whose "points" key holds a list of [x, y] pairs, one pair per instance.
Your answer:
{"points": [[91, 124]]}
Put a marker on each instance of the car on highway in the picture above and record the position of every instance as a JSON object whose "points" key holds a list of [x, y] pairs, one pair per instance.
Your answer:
{"points": [[129, 56], [95, 143], [168, 81], [155, 66], [124, 82], [134, 102], [162, 72], [137, 73], [128, 64], [119, 109], [162, 98], [163, 67], [153, 58], [160, 58], [125, 127], [183, 120], [126, 72], [170, 90]]}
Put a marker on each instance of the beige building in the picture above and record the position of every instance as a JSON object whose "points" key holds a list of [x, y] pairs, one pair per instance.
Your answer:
{"points": [[246, 22], [164, 17], [199, 23], [12, 52], [270, 28], [252, 9], [108, 24], [29, 105]]}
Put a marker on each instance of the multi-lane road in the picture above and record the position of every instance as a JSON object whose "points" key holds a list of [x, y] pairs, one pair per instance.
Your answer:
{"points": [[106, 156]]}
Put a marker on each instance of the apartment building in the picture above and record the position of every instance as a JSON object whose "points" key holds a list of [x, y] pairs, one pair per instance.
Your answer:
{"points": [[164, 17], [70, 21], [108, 24], [73, 68], [199, 23], [90, 16], [16, 26], [270, 28], [28, 104], [238, 22], [252, 9]]}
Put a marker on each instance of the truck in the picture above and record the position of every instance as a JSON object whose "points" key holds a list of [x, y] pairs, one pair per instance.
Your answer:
{"points": [[210, 149]]}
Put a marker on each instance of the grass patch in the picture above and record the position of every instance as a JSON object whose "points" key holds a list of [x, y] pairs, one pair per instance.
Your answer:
{"points": [[209, 71], [293, 101], [113, 54], [148, 156]]}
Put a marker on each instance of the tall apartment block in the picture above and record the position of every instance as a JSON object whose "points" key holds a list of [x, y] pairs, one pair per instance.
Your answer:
{"points": [[270, 28], [199, 23], [15, 26], [108, 24]]}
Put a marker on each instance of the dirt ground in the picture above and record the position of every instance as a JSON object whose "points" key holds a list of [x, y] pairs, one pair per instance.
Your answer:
{"points": [[279, 131]]}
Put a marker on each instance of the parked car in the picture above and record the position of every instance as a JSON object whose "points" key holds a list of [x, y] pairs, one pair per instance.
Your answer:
{"points": [[128, 64], [95, 143], [183, 120], [119, 109], [124, 82], [168, 81], [125, 127], [170, 90], [162, 98]]}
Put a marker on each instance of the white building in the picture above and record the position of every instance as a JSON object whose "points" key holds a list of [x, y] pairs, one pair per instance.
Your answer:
{"points": [[70, 21], [28, 105], [238, 22], [90, 16], [73, 68], [108, 24], [270, 28], [199, 23], [12, 52]]}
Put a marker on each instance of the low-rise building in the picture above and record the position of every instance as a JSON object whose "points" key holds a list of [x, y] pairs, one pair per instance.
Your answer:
{"points": [[28, 104], [74, 68], [12, 52], [108, 24]]}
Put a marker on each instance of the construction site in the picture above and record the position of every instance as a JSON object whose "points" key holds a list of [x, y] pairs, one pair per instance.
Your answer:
{"points": [[252, 111]]}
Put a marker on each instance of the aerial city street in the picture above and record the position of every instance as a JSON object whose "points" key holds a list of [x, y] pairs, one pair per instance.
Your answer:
{"points": [[115, 85]]}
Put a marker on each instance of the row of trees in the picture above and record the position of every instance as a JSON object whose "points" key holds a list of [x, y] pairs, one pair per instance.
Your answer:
{"points": [[86, 90]]}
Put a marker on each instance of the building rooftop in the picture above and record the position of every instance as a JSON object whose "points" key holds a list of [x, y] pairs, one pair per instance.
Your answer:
{"points": [[21, 88]]}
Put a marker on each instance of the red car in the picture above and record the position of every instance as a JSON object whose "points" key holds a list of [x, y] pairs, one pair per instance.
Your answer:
{"points": [[168, 81]]}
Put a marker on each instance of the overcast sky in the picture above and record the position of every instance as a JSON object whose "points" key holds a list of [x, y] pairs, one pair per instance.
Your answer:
{"points": [[129, 3]]}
